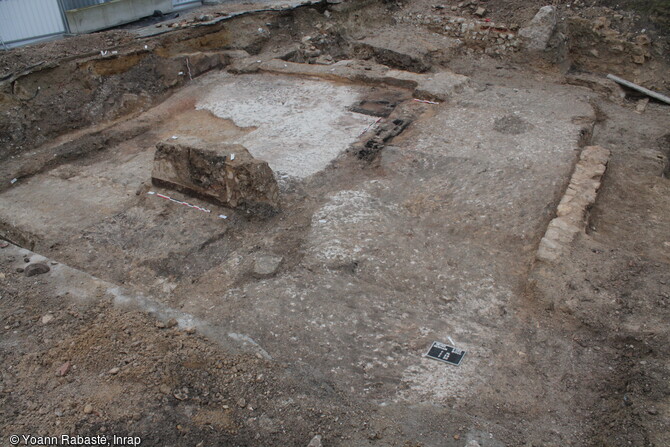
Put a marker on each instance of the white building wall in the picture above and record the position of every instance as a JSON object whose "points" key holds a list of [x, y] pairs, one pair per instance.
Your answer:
{"points": [[26, 20]]}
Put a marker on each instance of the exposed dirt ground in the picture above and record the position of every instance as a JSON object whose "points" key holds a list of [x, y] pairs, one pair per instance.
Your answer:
{"points": [[402, 222]]}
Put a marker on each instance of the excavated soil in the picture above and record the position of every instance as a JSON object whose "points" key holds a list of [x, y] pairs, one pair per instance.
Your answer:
{"points": [[418, 169]]}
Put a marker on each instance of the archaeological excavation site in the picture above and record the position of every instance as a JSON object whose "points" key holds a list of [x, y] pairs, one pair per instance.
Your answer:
{"points": [[411, 223]]}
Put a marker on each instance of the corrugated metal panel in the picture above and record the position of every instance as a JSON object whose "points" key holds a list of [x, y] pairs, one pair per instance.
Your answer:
{"points": [[76, 4], [186, 2], [22, 20]]}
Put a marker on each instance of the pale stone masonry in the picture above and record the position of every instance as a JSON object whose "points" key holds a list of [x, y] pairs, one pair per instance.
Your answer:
{"points": [[571, 214]]}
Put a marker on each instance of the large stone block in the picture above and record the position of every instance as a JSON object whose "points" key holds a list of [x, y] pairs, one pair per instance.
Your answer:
{"points": [[539, 31], [225, 173]]}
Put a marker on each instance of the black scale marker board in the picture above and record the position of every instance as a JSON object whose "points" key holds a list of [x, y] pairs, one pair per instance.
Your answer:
{"points": [[445, 353]]}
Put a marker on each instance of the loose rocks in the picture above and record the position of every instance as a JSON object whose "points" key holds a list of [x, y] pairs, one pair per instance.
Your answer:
{"points": [[266, 265], [36, 269]]}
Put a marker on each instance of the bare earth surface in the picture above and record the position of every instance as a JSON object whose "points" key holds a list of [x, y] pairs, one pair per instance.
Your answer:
{"points": [[185, 327]]}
